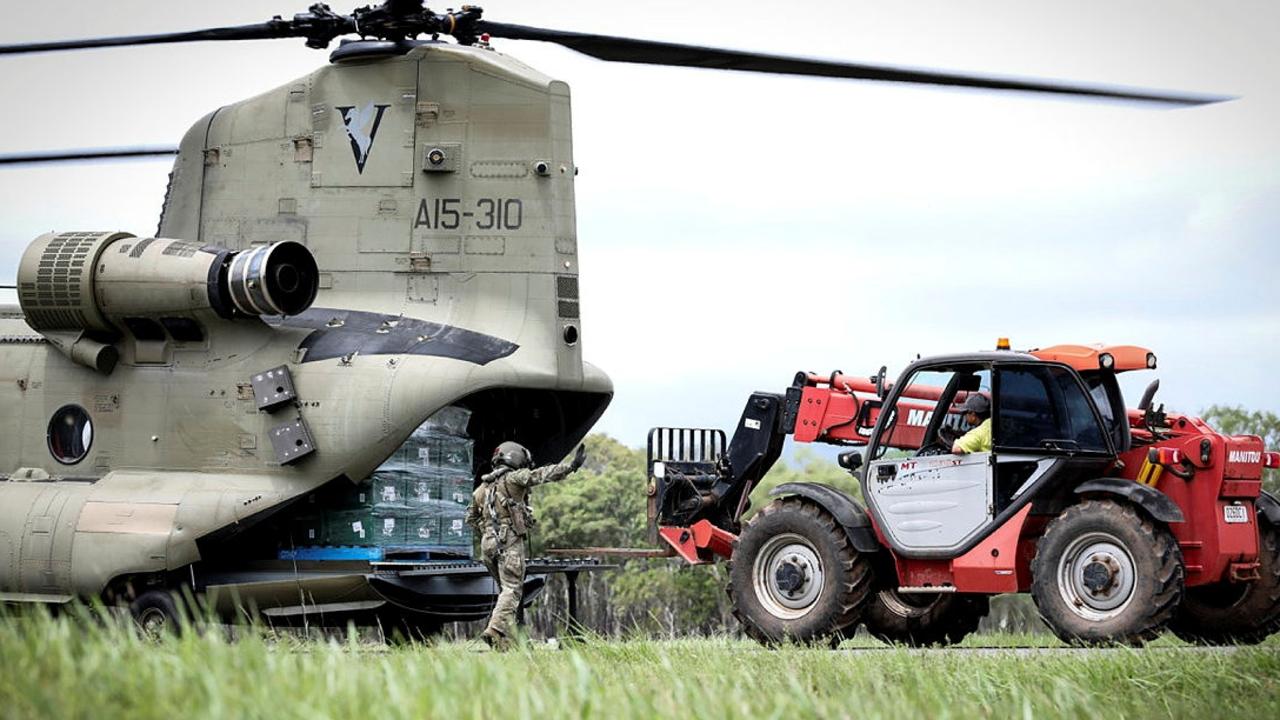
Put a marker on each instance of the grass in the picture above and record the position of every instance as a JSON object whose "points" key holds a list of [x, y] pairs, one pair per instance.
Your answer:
{"points": [[69, 668]]}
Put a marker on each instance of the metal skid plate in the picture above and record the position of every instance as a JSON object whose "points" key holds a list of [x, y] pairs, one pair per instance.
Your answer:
{"points": [[291, 441], [273, 388]]}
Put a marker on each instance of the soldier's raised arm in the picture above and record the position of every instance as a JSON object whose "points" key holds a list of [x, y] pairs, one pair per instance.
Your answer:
{"points": [[557, 472]]}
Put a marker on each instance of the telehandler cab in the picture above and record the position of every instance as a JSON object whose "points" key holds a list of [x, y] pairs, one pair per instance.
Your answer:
{"points": [[1119, 522]]}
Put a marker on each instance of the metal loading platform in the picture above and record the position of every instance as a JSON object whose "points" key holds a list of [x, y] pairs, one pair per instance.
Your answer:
{"points": [[426, 589]]}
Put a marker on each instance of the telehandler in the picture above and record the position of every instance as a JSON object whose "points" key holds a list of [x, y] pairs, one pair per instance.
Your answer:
{"points": [[1119, 522]]}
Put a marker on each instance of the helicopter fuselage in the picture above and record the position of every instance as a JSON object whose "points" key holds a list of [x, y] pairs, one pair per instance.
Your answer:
{"points": [[434, 189]]}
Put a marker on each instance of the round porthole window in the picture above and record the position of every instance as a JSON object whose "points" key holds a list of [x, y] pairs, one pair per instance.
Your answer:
{"points": [[70, 434]]}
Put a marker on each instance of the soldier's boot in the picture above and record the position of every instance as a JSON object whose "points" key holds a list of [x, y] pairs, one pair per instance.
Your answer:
{"points": [[504, 643]]}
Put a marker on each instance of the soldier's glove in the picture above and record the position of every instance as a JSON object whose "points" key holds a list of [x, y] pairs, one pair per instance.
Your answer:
{"points": [[578, 458]]}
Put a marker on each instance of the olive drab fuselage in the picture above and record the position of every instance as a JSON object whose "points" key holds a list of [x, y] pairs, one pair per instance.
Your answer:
{"points": [[435, 190]]}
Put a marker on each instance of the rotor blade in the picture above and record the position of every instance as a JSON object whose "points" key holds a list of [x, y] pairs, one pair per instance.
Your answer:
{"points": [[651, 52], [239, 32], [85, 154]]}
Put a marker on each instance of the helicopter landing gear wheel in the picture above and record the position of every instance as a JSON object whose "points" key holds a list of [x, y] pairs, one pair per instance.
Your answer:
{"points": [[920, 619], [794, 575], [1103, 574], [1229, 613], [157, 613]]}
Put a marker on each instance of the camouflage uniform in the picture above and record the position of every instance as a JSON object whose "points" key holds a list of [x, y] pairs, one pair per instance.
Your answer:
{"points": [[500, 511]]}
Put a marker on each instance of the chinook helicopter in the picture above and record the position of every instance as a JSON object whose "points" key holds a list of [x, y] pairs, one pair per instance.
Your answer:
{"points": [[337, 259]]}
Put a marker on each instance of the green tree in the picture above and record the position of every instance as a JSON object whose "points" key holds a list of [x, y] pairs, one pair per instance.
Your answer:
{"points": [[1235, 420], [809, 467], [605, 505]]}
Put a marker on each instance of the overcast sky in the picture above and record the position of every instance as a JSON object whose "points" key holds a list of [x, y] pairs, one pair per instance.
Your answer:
{"points": [[735, 228]]}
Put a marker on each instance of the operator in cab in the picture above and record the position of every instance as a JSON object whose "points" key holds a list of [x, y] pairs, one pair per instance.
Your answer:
{"points": [[977, 414]]}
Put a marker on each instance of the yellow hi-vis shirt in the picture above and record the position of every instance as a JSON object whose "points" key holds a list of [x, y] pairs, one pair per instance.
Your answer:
{"points": [[978, 439]]}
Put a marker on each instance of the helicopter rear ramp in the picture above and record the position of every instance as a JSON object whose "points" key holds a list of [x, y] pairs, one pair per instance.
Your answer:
{"points": [[433, 590]]}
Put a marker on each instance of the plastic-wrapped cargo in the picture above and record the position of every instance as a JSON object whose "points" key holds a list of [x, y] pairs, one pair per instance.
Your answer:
{"points": [[388, 490], [453, 531], [439, 444], [417, 498], [364, 526], [307, 528], [456, 489], [423, 528], [421, 491]]}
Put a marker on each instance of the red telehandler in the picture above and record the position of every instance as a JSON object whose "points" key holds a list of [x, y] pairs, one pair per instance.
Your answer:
{"points": [[1119, 522]]}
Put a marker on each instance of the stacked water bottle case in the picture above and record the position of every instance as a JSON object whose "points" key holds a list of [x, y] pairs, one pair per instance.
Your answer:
{"points": [[417, 498]]}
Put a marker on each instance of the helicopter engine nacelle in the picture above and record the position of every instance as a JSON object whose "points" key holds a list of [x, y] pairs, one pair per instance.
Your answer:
{"points": [[81, 289]]}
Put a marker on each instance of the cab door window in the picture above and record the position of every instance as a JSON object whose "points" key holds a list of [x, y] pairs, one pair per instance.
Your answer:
{"points": [[1044, 407], [925, 416]]}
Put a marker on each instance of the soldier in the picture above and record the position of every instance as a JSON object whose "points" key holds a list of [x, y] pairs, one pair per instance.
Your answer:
{"points": [[500, 511]]}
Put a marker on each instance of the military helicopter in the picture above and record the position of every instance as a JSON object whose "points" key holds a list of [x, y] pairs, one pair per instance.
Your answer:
{"points": [[337, 260]]}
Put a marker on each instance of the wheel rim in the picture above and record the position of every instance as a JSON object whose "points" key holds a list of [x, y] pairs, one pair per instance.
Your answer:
{"points": [[1096, 576], [153, 622], [912, 605], [788, 576]]}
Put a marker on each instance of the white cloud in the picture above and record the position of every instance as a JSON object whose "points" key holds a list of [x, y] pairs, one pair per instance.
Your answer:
{"points": [[735, 228]]}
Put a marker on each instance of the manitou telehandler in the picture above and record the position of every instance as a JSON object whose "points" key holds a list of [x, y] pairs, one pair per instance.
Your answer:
{"points": [[1118, 522]]}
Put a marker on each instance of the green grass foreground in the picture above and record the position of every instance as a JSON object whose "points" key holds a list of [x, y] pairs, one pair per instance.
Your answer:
{"points": [[68, 668]]}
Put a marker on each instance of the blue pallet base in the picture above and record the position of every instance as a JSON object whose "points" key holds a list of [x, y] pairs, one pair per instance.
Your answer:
{"points": [[374, 554]]}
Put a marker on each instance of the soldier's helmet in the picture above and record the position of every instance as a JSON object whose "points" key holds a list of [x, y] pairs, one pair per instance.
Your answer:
{"points": [[512, 455]]}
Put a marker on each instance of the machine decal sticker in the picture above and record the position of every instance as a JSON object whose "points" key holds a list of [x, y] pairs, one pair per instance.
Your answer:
{"points": [[362, 127], [919, 418], [1235, 514], [336, 333]]}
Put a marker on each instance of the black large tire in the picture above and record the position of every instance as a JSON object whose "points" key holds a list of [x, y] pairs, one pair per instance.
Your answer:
{"points": [[1105, 573], [159, 613], [1236, 613], [923, 619], [794, 575]]}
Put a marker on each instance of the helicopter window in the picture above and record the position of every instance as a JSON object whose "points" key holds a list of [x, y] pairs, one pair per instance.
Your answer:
{"points": [[144, 329], [183, 329], [70, 434]]}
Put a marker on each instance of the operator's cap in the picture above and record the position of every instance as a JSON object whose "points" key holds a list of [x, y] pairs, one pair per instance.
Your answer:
{"points": [[976, 403]]}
